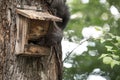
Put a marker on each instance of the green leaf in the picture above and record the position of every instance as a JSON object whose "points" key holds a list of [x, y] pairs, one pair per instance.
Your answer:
{"points": [[114, 62], [102, 40], [103, 55], [107, 60], [109, 48], [98, 28], [112, 36], [118, 38], [109, 39], [115, 56]]}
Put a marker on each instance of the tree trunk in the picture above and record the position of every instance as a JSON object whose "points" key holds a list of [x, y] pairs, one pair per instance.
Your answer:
{"points": [[14, 67]]}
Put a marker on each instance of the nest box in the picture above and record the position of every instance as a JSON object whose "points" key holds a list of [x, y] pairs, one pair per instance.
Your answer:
{"points": [[32, 24]]}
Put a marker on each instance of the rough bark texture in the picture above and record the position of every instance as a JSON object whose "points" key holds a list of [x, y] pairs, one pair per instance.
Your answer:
{"points": [[18, 67]]}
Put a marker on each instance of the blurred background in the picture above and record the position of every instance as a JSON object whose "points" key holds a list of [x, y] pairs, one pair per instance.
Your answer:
{"points": [[93, 34]]}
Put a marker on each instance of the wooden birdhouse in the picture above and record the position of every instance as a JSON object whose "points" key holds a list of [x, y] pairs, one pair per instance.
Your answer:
{"points": [[32, 24]]}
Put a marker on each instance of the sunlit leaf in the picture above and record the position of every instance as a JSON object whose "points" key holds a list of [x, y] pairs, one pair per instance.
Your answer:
{"points": [[109, 39], [103, 55], [115, 56], [102, 40], [98, 28], [114, 62], [107, 60], [109, 48], [118, 38], [111, 35]]}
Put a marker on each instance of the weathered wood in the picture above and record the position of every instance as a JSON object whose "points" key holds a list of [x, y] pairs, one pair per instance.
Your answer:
{"points": [[35, 50], [37, 28], [33, 14], [29, 29], [22, 27], [27, 7]]}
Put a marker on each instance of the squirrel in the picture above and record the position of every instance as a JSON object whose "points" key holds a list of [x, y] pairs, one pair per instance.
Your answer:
{"points": [[59, 9]]}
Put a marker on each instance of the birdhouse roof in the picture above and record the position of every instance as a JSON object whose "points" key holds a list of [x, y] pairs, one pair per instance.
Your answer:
{"points": [[38, 15]]}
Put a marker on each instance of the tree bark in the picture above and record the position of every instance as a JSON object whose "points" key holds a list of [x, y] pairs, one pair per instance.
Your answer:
{"points": [[14, 67]]}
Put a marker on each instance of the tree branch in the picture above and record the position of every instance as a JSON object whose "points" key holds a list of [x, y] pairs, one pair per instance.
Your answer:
{"points": [[69, 53]]}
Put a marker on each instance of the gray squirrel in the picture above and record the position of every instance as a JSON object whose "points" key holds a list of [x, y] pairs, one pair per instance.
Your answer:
{"points": [[60, 10]]}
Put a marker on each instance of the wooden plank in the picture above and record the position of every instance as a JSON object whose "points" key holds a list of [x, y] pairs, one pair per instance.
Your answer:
{"points": [[17, 46], [35, 50], [27, 7], [33, 14], [24, 31], [22, 26]]}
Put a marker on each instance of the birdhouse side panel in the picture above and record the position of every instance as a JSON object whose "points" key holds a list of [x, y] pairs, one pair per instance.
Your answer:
{"points": [[22, 25]]}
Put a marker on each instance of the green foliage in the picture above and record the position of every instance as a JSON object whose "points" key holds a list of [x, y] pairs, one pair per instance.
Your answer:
{"points": [[111, 59], [86, 15], [107, 59], [112, 43], [81, 65]]}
